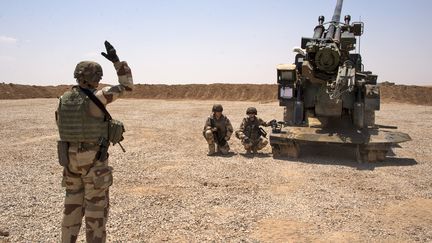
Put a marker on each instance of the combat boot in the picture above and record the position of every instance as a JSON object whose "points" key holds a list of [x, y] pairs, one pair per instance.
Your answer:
{"points": [[211, 149], [255, 150]]}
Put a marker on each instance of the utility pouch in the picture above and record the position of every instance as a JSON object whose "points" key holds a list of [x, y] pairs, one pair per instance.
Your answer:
{"points": [[115, 131], [63, 153], [102, 178]]}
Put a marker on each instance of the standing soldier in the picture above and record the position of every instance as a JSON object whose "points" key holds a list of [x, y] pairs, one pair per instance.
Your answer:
{"points": [[86, 129], [217, 129], [250, 133]]}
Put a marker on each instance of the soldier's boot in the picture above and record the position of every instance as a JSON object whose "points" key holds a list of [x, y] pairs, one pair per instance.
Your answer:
{"points": [[224, 149], [212, 149], [248, 151], [255, 150], [248, 148]]}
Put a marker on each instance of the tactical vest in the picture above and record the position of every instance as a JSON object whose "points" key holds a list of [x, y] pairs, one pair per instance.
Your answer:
{"points": [[219, 124], [251, 129], [75, 122]]}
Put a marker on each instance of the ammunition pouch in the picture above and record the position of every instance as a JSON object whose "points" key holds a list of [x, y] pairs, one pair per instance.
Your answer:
{"points": [[115, 131], [63, 153]]}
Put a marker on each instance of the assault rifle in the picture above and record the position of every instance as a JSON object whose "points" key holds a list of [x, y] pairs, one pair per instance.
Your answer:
{"points": [[262, 132], [219, 140]]}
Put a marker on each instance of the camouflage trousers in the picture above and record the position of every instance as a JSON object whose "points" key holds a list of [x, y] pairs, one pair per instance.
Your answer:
{"points": [[208, 135], [87, 181], [257, 144]]}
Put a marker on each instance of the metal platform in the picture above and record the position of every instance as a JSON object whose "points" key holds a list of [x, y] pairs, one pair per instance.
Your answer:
{"points": [[372, 144]]}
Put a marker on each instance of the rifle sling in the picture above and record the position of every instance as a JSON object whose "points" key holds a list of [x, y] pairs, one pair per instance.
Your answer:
{"points": [[97, 102]]}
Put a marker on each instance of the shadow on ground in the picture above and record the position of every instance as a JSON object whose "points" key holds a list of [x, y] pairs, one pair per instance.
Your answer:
{"points": [[326, 154], [257, 155]]}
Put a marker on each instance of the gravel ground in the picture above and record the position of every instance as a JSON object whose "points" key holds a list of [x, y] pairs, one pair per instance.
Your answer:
{"points": [[167, 189]]}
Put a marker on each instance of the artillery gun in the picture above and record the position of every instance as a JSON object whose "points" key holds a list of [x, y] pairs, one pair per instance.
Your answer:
{"points": [[329, 98]]}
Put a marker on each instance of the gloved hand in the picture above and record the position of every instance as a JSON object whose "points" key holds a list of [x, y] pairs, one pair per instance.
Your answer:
{"points": [[227, 138], [214, 129], [270, 123], [246, 139], [111, 53]]}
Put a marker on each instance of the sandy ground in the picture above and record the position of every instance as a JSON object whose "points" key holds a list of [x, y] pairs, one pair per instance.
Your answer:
{"points": [[167, 189]]}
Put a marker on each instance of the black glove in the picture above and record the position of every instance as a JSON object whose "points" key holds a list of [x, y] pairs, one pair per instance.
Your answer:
{"points": [[272, 122], [246, 140], [111, 53]]}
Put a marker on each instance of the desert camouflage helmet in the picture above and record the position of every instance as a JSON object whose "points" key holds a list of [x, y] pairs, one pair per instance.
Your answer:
{"points": [[217, 108], [251, 110], [87, 70]]}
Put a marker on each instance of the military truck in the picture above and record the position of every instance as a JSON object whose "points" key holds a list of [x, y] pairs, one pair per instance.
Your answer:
{"points": [[329, 98]]}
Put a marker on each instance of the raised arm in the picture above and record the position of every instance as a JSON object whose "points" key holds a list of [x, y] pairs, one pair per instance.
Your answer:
{"points": [[110, 93]]}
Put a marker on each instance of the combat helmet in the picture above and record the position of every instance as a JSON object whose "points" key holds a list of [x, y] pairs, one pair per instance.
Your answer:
{"points": [[251, 110], [88, 71], [217, 108]]}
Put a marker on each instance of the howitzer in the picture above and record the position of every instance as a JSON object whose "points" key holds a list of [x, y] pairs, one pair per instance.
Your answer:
{"points": [[328, 96], [327, 79], [276, 126]]}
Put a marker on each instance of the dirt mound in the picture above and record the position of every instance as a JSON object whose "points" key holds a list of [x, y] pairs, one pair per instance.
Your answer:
{"points": [[419, 95], [18, 91], [240, 92], [252, 92]]}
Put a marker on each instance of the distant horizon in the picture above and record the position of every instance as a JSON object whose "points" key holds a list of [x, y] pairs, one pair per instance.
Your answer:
{"points": [[103, 83]]}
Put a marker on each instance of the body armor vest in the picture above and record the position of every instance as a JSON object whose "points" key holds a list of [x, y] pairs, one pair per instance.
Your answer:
{"points": [[220, 124], [252, 129], [75, 122]]}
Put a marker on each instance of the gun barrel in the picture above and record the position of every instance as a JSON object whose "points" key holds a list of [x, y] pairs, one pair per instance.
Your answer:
{"points": [[337, 11]]}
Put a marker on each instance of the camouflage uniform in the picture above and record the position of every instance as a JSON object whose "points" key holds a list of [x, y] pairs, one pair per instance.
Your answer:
{"points": [[223, 130], [250, 135], [86, 178]]}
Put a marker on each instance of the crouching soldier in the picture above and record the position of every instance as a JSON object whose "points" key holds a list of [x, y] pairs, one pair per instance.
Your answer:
{"points": [[250, 133], [217, 131], [86, 130]]}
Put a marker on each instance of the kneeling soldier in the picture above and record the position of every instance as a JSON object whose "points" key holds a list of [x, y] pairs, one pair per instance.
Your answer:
{"points": [[217, 130], [250, 133]]}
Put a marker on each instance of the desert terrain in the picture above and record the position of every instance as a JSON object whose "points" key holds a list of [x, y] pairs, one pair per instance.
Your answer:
{"points": [[167, 189]]}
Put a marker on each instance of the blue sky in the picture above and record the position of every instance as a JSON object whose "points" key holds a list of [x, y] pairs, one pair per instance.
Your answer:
{"points": [[201, 41]]}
